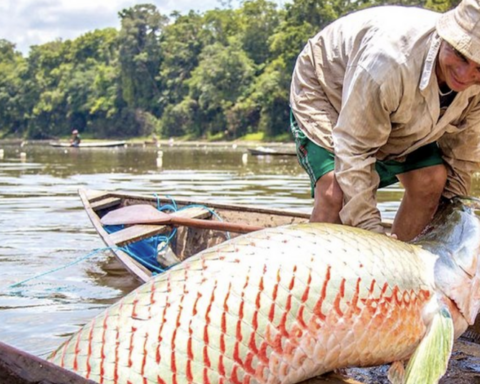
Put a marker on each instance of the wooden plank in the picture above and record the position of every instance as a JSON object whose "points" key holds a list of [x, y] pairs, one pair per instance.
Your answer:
{"points": [[136, 233], [105, 203], [94, 195], [19, 367], [194, 213]]}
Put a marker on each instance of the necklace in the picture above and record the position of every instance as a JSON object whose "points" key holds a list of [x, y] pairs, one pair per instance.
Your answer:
{"points": [[444, 93]]}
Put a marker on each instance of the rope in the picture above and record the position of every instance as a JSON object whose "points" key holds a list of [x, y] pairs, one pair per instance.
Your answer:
{"points": [[159, 239], [155, 269], [94, 252], [160, 207]]}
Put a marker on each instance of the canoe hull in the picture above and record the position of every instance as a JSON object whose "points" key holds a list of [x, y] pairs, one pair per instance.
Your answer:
{"points": [[19, 367], [187, 241], [270, 152], [108, 144]]}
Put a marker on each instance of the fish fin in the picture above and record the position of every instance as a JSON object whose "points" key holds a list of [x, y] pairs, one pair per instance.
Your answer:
{"points": [[429, 362], [396, 373]]}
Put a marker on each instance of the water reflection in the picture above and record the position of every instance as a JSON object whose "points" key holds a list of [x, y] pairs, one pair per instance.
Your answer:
{"points": [[43, 226]]}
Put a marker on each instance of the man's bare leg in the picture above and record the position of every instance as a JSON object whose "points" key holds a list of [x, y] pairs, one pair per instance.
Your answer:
{"points": [[423, 189], [328, 200]]}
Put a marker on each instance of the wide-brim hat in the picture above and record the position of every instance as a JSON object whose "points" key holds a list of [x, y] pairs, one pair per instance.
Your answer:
{"points": [[460, 28], [74, 132]]}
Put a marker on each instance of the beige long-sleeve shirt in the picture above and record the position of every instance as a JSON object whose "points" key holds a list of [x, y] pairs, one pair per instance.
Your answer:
{"points": [[365, 88]]}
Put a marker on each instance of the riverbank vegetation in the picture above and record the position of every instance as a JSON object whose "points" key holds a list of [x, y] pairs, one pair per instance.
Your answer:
{"points": [[221, 74]]}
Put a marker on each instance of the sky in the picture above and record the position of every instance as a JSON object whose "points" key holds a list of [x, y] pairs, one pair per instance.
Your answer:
{"points": [[33, 22]]}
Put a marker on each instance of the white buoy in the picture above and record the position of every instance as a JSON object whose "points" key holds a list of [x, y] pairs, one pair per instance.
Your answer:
{"points": [[2, 153], [23, 156], [245, 158], [159, 159], [234, 146]]}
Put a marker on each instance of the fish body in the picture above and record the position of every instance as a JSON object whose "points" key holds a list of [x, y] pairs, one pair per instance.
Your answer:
{"points": [[279, 305]]}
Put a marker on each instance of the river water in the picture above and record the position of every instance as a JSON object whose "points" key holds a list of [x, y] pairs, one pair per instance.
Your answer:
{"points": [[46, 237]]}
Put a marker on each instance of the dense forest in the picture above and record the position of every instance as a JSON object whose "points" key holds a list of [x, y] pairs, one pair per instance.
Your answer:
{"points": [[221, 74]]}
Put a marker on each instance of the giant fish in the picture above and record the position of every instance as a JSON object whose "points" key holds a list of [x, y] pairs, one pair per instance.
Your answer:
{"points": [[285, 304]]}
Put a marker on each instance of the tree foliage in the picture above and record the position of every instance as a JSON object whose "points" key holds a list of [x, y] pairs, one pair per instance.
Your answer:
{"points": [[219, 74]]}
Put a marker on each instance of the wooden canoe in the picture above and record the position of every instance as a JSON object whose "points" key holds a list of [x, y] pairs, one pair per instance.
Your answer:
{"points": [[188, 241], [106, 144], [263, 151]]}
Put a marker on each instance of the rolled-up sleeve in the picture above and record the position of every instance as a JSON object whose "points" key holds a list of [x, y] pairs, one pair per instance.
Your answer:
{"points": [[461, 152], [363, 127]]}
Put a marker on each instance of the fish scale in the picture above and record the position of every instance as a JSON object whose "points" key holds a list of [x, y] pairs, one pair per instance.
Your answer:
{"points": [[275, 306]]}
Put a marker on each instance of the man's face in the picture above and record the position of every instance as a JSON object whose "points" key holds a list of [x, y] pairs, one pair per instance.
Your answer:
{"points": [[455, 69]]}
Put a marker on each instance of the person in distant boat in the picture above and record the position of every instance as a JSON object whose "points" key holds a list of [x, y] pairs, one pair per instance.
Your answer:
{"points": [[389, 94], [76, 139]]}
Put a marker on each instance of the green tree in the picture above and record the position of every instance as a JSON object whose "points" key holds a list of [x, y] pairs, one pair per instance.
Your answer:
{"points": [[99, 46], [140, 56], [258, 20], [92, 85], [12, 103], [223, 75], [181, 44], [182, 119], [219, 25], [45, 98]]}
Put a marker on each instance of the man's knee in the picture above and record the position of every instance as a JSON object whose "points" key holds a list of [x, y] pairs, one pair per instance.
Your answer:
{"points": [[425, 182], [328, 192], [328, 200], [433, 182]]}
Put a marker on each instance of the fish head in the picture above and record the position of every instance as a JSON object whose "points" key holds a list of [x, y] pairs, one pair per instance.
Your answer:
{"points": [[457, 270]]}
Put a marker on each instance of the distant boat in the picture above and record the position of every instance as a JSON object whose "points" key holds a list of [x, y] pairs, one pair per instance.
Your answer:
{"points": [[91, 145], [263, 151], [152, 142]]}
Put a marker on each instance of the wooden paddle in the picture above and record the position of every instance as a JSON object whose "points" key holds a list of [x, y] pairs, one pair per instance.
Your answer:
{"points": [[147, 214]]}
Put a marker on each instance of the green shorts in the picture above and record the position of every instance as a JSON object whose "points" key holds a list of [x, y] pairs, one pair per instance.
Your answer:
{"points": [[317, 161]]}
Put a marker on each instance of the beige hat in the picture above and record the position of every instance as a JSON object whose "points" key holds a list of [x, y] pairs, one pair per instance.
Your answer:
{"points": [[460, 27]]}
